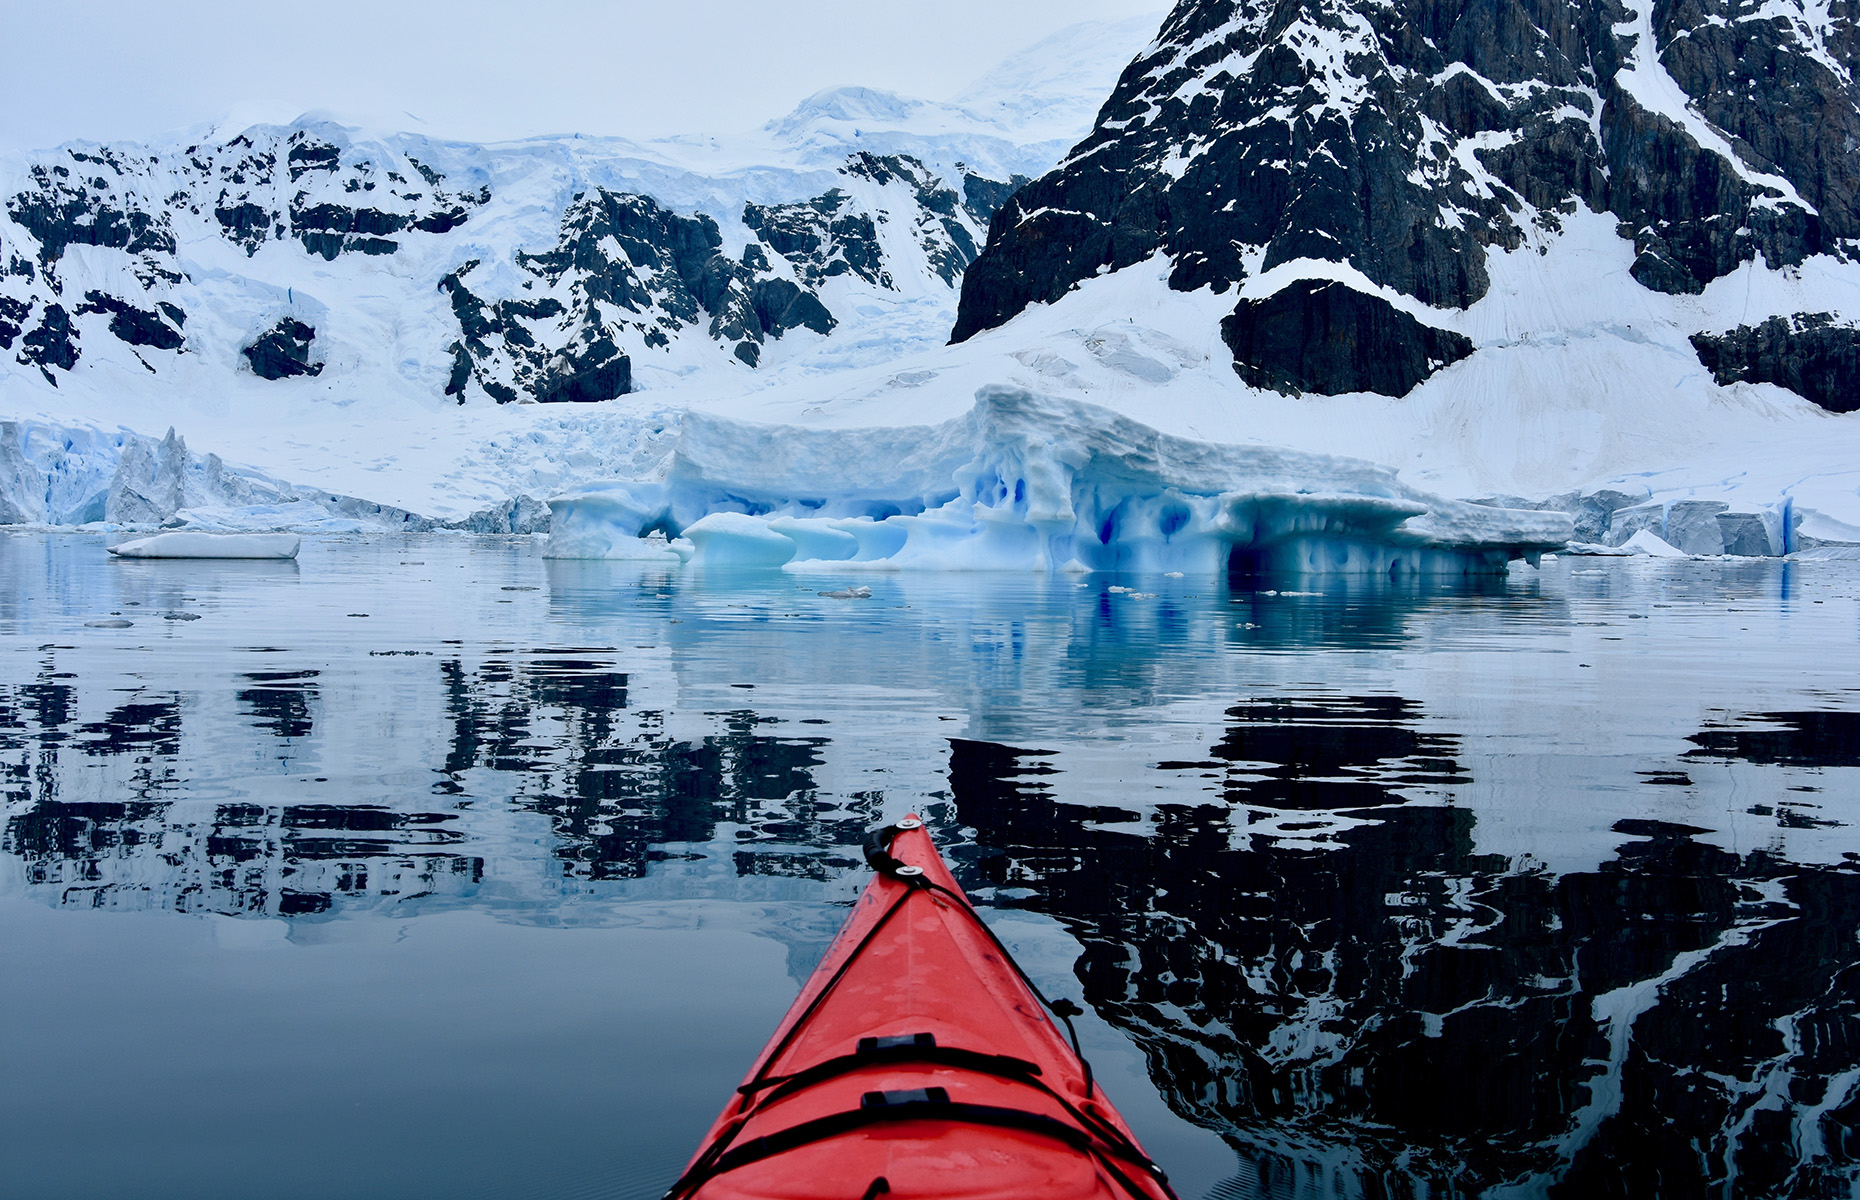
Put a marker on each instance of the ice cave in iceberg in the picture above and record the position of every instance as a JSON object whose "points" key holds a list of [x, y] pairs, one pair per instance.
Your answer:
{"points": [[1029, 482]]}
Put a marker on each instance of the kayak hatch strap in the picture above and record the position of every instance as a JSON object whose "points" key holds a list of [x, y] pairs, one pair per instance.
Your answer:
{"points": [[929, 1109], [999, 1065], [1065, 1010], [880, 1187], [878, 855], [718, 1157], [922, 1048], [927, 1104]]}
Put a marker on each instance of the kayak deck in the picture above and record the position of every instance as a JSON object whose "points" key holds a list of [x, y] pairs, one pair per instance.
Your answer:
{"points": [[918, 1061]]}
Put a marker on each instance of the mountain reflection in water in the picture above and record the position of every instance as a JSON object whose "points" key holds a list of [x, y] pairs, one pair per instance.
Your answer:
{"points": [[1404, 1016], [1400, 892]]}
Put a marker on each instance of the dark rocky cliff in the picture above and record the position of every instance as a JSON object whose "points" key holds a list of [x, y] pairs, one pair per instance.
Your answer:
{"points": [[1405, 139]]}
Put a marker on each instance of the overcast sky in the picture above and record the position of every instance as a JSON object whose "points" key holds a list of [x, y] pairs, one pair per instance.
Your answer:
{"points": [[484, 70]]}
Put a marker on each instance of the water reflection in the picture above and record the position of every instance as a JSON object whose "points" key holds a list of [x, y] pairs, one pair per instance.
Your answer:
{"points": [[1404, 1016], [1288, 828], [1331, 753], [280, 701], [1796, 739], [614, 786]]}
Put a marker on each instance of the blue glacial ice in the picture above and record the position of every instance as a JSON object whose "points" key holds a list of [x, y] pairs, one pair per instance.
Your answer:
{"points": [[1031, 482]]}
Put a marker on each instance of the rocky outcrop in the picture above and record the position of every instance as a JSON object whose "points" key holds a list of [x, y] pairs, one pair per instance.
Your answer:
{"points": [[624, 266], [12, 313], [1811, 354], [940, 226], [983, 197], [1329, 338], [283, 351], [821, 238], [51, 343], [1777, 80], [79, 205], [1405, 139], [159, 330]]}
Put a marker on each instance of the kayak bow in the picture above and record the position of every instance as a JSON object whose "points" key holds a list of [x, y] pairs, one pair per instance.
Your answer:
{"points": [[918, 1061]]}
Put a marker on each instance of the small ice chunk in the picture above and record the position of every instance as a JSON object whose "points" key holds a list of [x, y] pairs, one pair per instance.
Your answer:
{"points": [[851, 593], [108, 624], [192, 544], [1650, 543]]}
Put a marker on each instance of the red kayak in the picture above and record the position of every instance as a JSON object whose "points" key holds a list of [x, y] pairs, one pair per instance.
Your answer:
{"points": [[919, 1062]]}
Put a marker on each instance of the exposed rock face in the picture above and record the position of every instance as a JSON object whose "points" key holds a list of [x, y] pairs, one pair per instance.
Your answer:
{"points": [[563, 320], [1809, 353], [12, 312], [138, 327], [1330, 338], [1406, 138], [302, 188], [64, 209], [51, 343], [940, 229], [822, 238], [984, 197], [1778, 79], [284, 351]]}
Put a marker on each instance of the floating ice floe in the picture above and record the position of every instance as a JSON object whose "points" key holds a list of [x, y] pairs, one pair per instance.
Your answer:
{"points": [[1030, 482], [191, 544]]}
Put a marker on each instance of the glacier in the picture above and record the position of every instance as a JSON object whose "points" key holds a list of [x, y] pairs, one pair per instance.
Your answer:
{"points": [[1026, 481], [65, 475]]}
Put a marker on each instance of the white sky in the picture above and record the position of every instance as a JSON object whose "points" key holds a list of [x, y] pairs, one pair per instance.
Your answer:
{"points": [[483, 70]]}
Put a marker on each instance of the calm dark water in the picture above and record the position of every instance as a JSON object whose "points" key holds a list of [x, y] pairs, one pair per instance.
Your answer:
{"points": [[429, 867]]}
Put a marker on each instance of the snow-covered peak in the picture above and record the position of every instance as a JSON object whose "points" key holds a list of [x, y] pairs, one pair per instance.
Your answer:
{"points": [[1015, 119], [1058, 84]]}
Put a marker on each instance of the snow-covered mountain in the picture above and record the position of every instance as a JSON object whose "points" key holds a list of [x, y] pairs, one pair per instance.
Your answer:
{"points": [[1354, 154], [1602, 257], [1569, 237], [535, 272], [566, 269]]}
